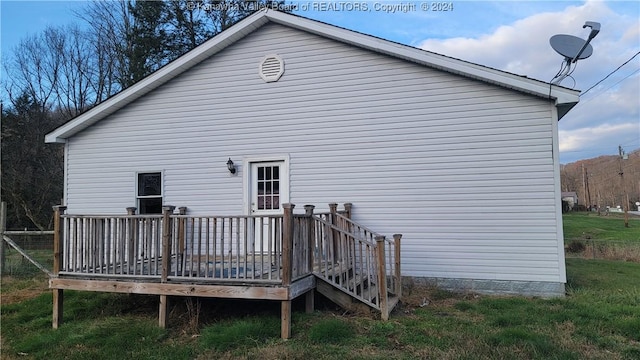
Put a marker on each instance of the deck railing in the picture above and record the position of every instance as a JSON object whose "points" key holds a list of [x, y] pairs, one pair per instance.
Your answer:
{"points": [[275, 249], [173, 247], [227, 248], [270, 249], [124, 245]]}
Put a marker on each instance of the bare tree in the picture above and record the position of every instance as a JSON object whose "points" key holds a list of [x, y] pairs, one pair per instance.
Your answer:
{"points": [[35, 68]]}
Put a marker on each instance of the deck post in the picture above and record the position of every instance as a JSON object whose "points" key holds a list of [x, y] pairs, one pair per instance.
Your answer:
{"points": [[58, 233], [333, 219], [131, 235], [311, 244], [398, 273], [287, 257], [311, 247], [351, 244], [167, 232], [181, 233], [347, 210], [382, 278], [3, 227], [287, 243]]}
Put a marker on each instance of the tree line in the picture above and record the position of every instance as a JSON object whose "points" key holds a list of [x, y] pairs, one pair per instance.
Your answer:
{"points": [[603, 181], [62, 71]]}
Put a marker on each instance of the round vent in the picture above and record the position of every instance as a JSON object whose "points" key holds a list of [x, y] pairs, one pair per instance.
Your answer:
{"points": [[271, 68]]}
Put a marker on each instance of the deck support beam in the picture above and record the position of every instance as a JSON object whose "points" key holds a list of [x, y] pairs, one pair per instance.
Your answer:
{"points": [[285, 320], [58, 305], [163, 314], [309, 301], [58, 295]]}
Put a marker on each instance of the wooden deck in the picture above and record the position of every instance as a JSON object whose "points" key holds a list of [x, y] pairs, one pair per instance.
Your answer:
{"points": [[276, 258]]}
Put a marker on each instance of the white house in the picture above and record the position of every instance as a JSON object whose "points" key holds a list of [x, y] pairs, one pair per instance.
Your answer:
{"points": [[460, 158]]}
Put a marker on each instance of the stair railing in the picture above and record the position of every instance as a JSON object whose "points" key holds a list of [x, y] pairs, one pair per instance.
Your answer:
{"points": [[357, 260]]}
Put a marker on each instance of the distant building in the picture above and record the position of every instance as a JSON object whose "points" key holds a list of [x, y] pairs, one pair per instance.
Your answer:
{"points": [[570, 198]]}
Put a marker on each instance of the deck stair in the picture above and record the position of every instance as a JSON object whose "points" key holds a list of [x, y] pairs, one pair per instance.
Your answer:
{"points": [[354, 293], [355, 267]]}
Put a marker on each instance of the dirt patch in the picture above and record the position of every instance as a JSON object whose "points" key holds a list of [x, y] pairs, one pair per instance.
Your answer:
{"points": [[14, 290]]}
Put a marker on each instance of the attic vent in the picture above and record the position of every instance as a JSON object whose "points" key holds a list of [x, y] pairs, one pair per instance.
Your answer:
{"points": [[271, 68]]}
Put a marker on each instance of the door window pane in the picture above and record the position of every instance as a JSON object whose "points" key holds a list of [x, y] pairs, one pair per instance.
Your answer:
{"points": [[268, 187]]}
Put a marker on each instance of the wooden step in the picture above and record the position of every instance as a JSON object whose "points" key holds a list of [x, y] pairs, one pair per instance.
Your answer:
{"points": [[341, 298]]}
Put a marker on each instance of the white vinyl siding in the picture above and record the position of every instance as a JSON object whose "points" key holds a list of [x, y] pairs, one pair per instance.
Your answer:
{"points": [[463, 169]]}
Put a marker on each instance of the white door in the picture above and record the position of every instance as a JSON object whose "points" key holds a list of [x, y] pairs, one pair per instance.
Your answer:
{"points": [[268, 189]]}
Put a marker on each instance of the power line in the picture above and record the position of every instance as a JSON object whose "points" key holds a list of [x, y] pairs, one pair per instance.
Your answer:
{"points": [[607, 89], [611, 73]]}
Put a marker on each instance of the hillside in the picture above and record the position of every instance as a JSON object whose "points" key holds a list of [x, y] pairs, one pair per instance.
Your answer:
{"points": [[597, 181]]}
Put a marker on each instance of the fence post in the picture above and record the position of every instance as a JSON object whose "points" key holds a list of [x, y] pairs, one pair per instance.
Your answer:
{"points": [[287, 253], [382, 278], [3, 227], [58, 233], [398, 272]]}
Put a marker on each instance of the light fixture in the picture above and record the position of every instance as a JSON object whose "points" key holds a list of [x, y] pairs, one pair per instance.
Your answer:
{"points": [[231, 166]]}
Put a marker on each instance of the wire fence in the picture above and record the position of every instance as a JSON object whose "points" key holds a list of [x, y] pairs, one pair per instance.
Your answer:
{"points": [[35, 245], [603, 249]]}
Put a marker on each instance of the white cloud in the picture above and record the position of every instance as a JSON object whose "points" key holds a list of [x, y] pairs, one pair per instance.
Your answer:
{"points": [[575, 140], [608, 115]]}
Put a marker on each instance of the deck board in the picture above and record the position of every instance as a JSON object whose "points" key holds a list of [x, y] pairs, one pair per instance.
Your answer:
{"points": [[237, 291]]}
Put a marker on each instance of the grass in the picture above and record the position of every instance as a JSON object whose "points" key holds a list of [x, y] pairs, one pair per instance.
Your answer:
{"points": [[588, 235], [599, 319], [588, 225]]}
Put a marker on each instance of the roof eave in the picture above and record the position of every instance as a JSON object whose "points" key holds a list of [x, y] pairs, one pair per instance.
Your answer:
{"points": [[564, 98]]}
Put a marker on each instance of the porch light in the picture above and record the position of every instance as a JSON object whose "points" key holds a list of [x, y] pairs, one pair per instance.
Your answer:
{"points": [[231, 166]]}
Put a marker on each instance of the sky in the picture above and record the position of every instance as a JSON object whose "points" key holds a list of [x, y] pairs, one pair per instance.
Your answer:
{"points": [[507, 35]]}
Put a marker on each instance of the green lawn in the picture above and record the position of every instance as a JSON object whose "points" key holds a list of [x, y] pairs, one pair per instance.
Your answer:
{"points": [[582, 225]]}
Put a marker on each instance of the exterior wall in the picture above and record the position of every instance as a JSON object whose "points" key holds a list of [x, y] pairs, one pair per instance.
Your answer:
{"points": [[464, 170]]}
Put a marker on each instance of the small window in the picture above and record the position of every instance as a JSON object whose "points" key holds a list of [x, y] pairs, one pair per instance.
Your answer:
{"points": [[149, 193]]}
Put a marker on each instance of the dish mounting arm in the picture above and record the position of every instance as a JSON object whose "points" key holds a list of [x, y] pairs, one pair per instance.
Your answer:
{"points": [[595, 29]]}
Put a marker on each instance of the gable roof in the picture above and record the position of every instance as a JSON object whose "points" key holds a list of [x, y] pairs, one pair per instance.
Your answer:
{"points": [[564, 98]]}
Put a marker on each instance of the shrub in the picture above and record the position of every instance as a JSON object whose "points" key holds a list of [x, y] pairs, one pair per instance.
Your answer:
{"points": [[576, 246]]}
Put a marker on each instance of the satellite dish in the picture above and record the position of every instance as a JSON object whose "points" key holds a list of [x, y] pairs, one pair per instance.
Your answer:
{"points": [[573, 49], [569, 46], [637, 203]]}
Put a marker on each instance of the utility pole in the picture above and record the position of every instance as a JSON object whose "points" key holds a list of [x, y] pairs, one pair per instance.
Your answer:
{"points": [[625, 196], [584, 185], [586, 176]]}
